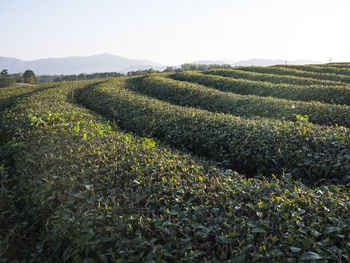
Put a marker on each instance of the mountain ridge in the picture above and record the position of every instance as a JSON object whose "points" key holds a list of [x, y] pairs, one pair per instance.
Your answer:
{"points": [[77, 64], [111, 63]]}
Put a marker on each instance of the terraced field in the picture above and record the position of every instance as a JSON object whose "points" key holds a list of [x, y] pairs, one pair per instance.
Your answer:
{"points": [[215, 166]]}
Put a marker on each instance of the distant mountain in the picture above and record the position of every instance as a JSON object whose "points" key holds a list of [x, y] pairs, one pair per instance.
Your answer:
{"points": [[111, 63], [257, 62], [76, 65]]}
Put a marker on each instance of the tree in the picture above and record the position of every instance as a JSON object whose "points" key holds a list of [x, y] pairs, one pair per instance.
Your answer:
{"points": [[82, 76], [18, 77], [6, 82], [29, 77], [5, 79], [4, 73]]}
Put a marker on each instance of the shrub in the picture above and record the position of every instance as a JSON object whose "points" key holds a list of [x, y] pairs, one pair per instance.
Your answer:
{"points": [[327, 94], [298, 73], [195, 95], [6, 82], [320, 69], [310, 152], [270, 77], [78, 189]]}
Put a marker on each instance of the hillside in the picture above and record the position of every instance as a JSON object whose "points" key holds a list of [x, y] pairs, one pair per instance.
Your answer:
{"points": [[227, 165]]}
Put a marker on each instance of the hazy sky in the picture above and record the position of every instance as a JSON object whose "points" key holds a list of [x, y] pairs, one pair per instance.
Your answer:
{"points": [[176, 31]]}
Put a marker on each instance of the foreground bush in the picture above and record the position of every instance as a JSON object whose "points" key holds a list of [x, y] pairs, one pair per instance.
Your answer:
{"points": [[195, 95], [75, 189], [334, 95], [10, 94]]}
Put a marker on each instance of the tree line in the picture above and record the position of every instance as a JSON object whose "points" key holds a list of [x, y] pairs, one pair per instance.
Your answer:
{"points": [[84, 76], [29, 76]]}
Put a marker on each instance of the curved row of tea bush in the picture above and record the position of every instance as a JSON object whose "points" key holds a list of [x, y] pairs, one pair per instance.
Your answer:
{"points": [[336, 65], [9, 94], [311, 152], [326, 94], [76, 189], [319, 69], [298, 73], [198, 96], [269, 77]]}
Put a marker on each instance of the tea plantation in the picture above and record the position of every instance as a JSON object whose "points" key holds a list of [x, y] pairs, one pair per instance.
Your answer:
{"points": [[227, 165]]}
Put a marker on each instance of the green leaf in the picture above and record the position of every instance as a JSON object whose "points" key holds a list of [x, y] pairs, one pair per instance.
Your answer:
{"points": [[276, 252], [295, 249], [332, 229], [105, 239], [238, 259], [310, 256], [88, 260], [258, 230]]}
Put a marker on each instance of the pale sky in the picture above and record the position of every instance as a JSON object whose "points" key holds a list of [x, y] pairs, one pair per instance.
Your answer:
{"points": [[174, 32]]}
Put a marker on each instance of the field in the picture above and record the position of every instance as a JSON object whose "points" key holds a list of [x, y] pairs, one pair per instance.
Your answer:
{"points": [[227, 165]]}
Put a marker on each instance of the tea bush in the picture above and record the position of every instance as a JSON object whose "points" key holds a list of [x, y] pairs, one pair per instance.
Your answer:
{"points": [[326, 94], [74, 188], [336, 65], [320, 69], [270, 77], [298, 73], [195, 95], [310, 152]]}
